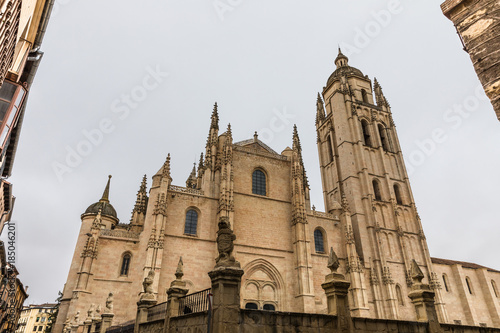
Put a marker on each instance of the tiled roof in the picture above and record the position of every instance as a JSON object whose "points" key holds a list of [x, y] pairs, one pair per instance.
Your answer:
{"points": [[462, 263]]}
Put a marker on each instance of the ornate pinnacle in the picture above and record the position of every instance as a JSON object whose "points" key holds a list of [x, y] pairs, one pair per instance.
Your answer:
{"points": [[105, 194], [416, 273], [191, 181], [142, 189], [215, 118], [228, 132], [320, 112], [179, 273], [333, 261], [166, 168]]}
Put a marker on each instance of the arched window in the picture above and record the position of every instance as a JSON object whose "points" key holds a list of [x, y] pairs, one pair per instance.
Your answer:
{"points": [[383, 137], [494, 286], [258, 182], [376, 190], [125, 264], [399, 295], [251, 306], [469, 285], [319, 241], [364, 95], [269, 307], [445, 282], [366, 133], [330, 150], [191, 222], [397, 193]]}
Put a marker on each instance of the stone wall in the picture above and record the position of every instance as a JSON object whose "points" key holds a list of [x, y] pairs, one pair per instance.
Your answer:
{"points": [[477, 23], [256, 321]]}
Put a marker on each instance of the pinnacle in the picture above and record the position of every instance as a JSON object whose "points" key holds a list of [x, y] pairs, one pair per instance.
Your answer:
{"points": [[319, 98], [105, 194], [215, 117]]}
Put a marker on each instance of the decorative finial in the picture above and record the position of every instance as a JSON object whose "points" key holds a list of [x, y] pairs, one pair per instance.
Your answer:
{"points": [[105, 194], [228, 132], [143, 184], [333, 261], [255, 137], [215, 117], [416, 273], [179, 273], [166, 167], [225, 245]]}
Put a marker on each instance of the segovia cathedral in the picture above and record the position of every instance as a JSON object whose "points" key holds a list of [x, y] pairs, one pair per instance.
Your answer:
{"points": [[281, 242]]}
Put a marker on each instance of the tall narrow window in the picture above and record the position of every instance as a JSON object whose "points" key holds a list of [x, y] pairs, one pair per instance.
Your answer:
{"points": [[258, 182], [376, 190], [125, 264], [330, 150], [383, 137], [364, 95], [399, 295], [397, 193], [366, 133], [319, 242], [445, 282], [469, 285], [494, 286], [191, 222]]}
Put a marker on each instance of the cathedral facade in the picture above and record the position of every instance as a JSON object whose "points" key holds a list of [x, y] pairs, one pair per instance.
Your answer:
{"points": [[282, 243]]}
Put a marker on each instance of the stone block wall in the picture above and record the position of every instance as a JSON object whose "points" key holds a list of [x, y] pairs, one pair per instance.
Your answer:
{"points": [[477, 22]]}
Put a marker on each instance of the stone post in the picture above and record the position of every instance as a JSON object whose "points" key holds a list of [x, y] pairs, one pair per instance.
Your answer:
{"points": [[177, 290], [107, 321], [226, 282], [422, 298], [146, 301], [337, 288]]}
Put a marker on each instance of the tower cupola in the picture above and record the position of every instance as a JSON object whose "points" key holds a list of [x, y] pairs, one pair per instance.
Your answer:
{"points": [[341, 59], [103, 204]]}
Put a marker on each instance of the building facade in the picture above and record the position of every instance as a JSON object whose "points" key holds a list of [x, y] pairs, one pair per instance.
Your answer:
{"points": [[35, 318], [282, 243], [477, 23]]}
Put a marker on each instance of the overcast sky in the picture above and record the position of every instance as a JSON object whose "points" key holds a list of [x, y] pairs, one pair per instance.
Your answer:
{"points": [[263, 62]]}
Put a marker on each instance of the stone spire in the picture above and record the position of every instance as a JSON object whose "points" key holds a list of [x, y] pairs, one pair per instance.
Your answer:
{"points": [[105, 194], [212, 140], [191, 181], [320, 110], [215, 118], [166, 168], [141, 203], [298, 148], [379, 95], [201, 166]]}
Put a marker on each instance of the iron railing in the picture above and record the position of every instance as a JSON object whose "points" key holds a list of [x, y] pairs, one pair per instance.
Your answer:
{"points": [[195, 302], [157, 312]]}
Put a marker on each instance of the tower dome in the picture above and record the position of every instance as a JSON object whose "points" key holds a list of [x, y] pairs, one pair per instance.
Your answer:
{"points": [[106, 208], [343, 69]]}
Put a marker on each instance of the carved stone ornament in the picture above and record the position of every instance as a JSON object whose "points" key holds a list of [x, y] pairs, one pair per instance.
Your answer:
{"points": [[147, 284], [333, 261], [225, 245], [416, 273]]}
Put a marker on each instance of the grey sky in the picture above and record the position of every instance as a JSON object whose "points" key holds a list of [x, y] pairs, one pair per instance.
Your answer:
{"points": [[255, 59]]}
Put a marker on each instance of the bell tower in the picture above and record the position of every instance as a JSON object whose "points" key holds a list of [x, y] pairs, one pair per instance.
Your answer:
{"points": [[362, 167]]}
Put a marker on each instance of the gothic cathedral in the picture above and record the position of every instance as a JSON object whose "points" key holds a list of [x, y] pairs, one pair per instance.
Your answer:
{"points": [[370, 222]]}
